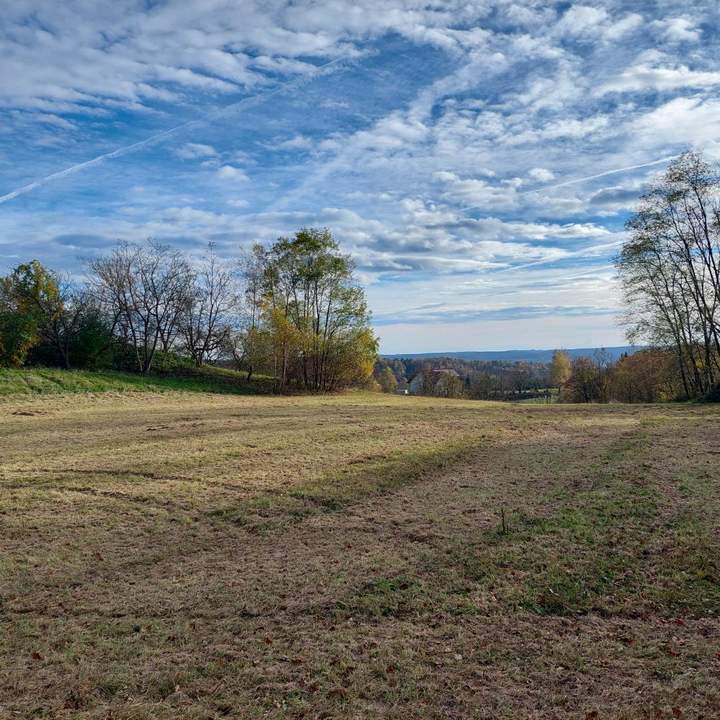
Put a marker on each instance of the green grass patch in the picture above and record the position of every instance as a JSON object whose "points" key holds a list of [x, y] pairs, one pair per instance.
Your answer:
{"points": [[608, 550], [52, 381]]}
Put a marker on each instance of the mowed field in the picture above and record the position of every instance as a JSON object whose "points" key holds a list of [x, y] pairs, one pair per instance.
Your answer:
{"points": [[195, 555]]}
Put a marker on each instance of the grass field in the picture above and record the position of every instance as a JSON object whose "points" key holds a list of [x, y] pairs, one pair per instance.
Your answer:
{"points": [[194, 555]]}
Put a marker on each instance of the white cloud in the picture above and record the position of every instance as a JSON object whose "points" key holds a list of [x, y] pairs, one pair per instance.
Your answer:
{"points": [[466, 137], [682, 121], [478, 193], [195, 151], [644, 77], [585, 22], [541, 174], [297, 142], [623, 26], [582, 20], [232, 173], [70, 58], [678, 29]]}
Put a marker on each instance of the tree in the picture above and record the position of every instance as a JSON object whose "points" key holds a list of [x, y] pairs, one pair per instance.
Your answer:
{"points": [[646, 376], [388, 381], [249, 344], [447, 384], [46, 318], [350, 359], [36, 306], [315, 313], [302, 316], [670, 270], [484, 386], [145, 289], [93, 341], [520, 378], [206, 321], [560, 368], [18, 328], [75, 333], [585, 383]]}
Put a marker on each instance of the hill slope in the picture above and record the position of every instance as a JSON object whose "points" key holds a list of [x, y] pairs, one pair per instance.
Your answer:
{"points": [[542, 356]]}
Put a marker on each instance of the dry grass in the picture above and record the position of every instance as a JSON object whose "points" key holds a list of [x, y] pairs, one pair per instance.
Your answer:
{"points": [[200, 556]]}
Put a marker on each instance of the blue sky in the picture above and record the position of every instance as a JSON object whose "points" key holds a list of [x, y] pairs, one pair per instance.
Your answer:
{"points": [[478, 159]]}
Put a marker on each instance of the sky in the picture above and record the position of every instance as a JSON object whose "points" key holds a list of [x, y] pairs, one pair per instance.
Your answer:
{"points": [[478, 159]]}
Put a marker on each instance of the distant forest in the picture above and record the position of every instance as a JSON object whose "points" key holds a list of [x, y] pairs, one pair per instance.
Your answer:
{"points": [[512, 356], [648, 375], [455, 377]]}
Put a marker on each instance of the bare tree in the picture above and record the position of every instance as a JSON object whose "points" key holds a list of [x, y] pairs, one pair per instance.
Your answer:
{"points": [[670, 270], [208, 317], [247, 343], [146, 289], [62, 324]]}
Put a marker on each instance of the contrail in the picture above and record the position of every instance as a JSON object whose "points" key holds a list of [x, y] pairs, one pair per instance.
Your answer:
{"points": [[584, 252], [576, 181], [578, 253], [119, 152], [95, 161]]}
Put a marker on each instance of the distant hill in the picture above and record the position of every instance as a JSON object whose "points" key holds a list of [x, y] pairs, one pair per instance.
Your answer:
{"points": [[542, 356]]}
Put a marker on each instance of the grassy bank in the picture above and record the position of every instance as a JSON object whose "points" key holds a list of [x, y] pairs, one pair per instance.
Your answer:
{"points": [[52, 381]]}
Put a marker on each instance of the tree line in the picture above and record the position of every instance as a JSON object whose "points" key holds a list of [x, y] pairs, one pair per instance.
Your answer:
{"points": [[646, 376], [476, 379], [293, 311]]}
